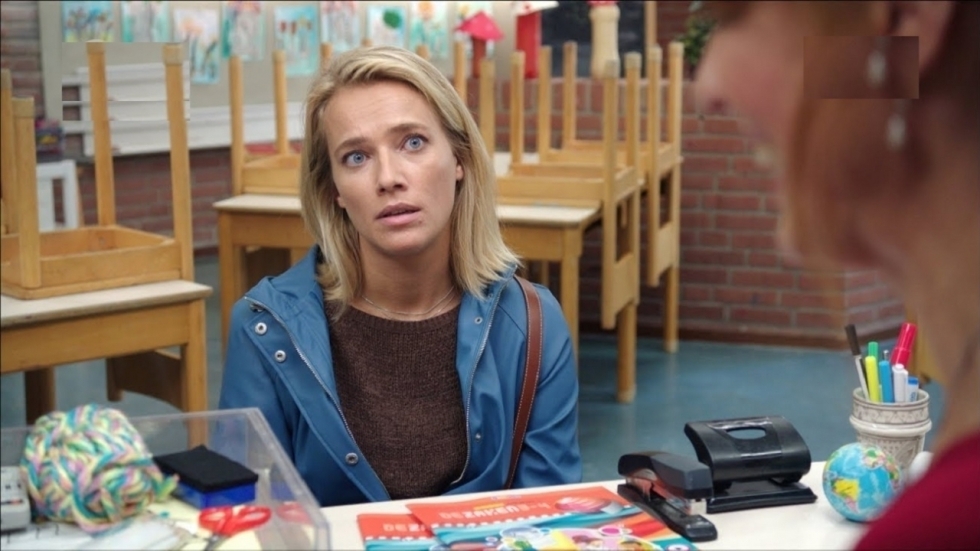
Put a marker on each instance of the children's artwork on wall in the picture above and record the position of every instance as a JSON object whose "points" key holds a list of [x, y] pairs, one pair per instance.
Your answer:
{"points": [[386, 25], [87, 20], [430, 27], [296, 34], [144, 21], [340, 24], [197, 28], [466, 9], [242, 30]]}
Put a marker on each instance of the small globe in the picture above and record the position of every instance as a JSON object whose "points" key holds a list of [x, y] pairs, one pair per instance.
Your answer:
{"points": [[860, 480]]}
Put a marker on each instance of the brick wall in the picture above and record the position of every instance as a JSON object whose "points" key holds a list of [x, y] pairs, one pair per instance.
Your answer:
{"points": [[20, 49], [734, 285]]}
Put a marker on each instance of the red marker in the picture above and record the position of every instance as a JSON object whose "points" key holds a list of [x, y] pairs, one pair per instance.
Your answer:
{"points": [[903, 348]]}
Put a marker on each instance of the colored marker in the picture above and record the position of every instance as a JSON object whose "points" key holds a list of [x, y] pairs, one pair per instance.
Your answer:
{"points": [[903, 348], [873, 350], [900, 382], [871, 370], [913, 390], [885, 378], [852, 339]]}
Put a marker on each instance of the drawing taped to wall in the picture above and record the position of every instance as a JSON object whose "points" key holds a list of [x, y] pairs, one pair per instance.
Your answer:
{"points": [[386, 25], [296, 34], [88, 20], [146, 21], [340, 24], [242, 30], [197, 28], [430, 27]]}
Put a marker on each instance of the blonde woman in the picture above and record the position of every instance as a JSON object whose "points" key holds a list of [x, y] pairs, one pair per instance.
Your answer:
{"points": [[389, 361], [871, 111]]}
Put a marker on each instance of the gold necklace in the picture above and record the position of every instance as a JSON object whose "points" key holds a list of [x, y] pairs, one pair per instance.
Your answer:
{"points": [[413, 314]]}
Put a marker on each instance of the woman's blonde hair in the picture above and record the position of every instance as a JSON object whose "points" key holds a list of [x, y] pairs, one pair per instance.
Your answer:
{"points": [[478, 254]]}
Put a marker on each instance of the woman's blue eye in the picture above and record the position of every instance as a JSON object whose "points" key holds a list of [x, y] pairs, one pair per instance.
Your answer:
{"points": [[415, 142], [354, 159]]}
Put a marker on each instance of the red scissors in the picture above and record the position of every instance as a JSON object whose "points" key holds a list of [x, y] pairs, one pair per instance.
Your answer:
{"points": [[225, 522]]}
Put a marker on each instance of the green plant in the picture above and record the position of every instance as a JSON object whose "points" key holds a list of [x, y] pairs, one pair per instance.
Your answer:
{"points": [[696, 34]]}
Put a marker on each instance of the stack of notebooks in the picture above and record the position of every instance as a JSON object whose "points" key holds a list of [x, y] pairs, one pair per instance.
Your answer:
{"points": [[584, 518]]}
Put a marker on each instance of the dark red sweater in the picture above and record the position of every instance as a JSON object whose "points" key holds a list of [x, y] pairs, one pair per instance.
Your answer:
{"points": [[940, 511]]}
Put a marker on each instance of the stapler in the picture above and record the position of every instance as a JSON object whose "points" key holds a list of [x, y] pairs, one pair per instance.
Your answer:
{"points": [[672, 488], [754, 462]]}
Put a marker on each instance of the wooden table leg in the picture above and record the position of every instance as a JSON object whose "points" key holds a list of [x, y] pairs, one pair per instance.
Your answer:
{"points": [[672, 292], [569, 283], [231, 267], [194, 375], [39, 392], [626, 354], [195, 360]]}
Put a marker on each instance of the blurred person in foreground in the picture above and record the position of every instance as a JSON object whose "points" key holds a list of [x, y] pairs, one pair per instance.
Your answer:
{"points": [[876, 149]]}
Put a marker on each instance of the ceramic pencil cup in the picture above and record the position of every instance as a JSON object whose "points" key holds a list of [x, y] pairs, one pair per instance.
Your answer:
{"points": [[899, 428]]}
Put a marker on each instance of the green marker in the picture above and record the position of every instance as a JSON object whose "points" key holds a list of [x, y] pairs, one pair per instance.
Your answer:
{"points": [[873, 350]]}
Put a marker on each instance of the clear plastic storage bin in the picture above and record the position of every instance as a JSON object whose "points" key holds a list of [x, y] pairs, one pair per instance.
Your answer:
{"points": [[242, 435]]}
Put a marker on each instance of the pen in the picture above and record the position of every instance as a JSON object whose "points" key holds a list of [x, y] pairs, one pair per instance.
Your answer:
{"points": [[885, 378], [852, 339], [913, 388], [871, 369]]}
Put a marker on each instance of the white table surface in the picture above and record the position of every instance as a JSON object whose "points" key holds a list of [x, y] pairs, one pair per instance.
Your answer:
{"points": [[14, 312], [812, 526]]}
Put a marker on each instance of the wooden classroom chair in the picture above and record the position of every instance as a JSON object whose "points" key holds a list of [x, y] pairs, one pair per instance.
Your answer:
{"points": [[610, 187], [661, 159], [8, 177], [269, 174], [605, 182], [275, 173], [459, 69], [105, 291]]}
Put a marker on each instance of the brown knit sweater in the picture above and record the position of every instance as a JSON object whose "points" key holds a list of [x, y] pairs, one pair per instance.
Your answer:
{"points": [[400, 393]]}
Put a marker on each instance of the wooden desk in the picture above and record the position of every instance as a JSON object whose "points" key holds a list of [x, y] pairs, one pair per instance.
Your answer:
{"points": [[537, 232], [553, 234], [126, 325], [813, 526]]}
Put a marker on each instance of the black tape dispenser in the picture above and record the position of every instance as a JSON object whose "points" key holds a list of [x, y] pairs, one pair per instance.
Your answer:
{"points": [[754, 462]]}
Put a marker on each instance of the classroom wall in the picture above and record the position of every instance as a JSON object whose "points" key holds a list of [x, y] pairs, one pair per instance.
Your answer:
{"points": [[734, 284]]}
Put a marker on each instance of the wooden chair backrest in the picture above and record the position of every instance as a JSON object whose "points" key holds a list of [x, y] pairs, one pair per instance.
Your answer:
{"points": [[488, 117], [8, 169]]}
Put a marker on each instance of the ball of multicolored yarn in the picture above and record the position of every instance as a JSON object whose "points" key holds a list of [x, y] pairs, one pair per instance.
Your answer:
{"points": [[90, 466]]}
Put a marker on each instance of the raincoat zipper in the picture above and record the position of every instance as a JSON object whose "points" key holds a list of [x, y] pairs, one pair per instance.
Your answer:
{"points": [[323, 385], [469, 391]]}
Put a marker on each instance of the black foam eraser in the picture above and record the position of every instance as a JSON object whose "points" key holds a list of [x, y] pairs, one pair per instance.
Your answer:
{"points": [[206, 470]]}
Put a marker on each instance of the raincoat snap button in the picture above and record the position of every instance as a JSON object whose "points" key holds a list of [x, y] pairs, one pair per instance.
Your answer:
{"points": [[478, 320], [478, 436], [254, 308], [260, 328], [351, 459], [280, 356]]}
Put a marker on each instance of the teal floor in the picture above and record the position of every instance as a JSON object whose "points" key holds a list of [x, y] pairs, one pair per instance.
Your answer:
{"points": [[702, 381]]}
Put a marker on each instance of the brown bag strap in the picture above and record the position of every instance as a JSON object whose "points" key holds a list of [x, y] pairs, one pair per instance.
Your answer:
{"points": [[532, 366]]}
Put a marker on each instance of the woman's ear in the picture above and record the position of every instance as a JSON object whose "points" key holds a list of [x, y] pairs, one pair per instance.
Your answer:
{"points": [[929, 21], [459, 171], [340, 202]]}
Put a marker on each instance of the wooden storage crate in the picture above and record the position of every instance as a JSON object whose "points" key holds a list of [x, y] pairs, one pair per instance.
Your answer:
{"points": [[104, 256]]}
